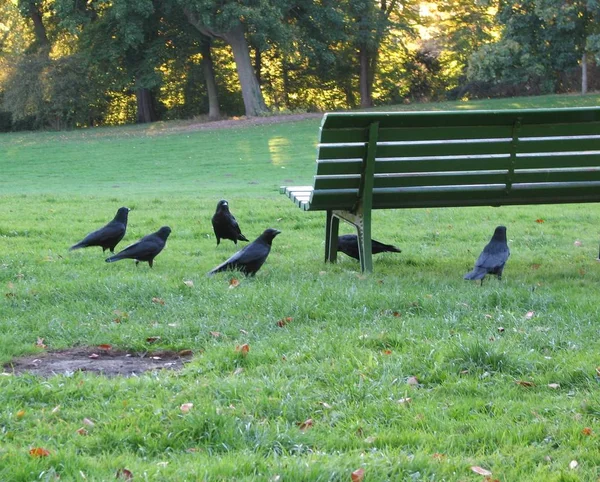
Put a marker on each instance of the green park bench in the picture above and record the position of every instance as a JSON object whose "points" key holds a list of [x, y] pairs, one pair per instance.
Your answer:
{"points": [[394, 160]]}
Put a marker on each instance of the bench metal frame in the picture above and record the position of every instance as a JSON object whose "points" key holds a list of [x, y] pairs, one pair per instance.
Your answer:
{"points": [[394, 160]]}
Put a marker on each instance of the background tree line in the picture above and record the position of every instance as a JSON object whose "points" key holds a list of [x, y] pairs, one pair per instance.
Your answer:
{"points": [[69, 63]]}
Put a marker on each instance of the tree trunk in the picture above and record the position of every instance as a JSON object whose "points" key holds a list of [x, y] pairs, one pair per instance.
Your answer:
{"points": [[365, 78], [254, 102], [39, 29], [208, 70], [257, 64], [285, 77], [584, 73], [145, 106]]}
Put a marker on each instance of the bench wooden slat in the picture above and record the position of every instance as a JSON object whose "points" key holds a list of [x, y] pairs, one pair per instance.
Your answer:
{"points": [[560, 129], [391, 166], [544, 175], [432, 119], [359, 134], [528, 161], [470, 148], [572, 144], [431, 179]]}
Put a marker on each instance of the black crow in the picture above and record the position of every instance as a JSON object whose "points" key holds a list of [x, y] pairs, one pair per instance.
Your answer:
{"points": [[348, 244], [146, 249], [108, 236], [250, 258], [493, 257], [225, 224]]}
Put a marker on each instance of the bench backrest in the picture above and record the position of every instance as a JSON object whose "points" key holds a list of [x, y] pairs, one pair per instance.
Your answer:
{"points": [[464, 158]]}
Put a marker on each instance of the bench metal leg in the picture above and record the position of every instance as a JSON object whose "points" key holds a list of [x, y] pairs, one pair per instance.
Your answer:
{"points": [[362, 223], [332, 229], [365, 248]]}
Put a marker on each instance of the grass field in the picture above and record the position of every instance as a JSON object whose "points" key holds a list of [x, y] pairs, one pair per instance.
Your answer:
{"points": [[410, 373]]}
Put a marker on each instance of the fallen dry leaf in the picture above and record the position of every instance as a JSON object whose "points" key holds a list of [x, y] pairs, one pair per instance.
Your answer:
{"points": [[82, 431], [124, 474], [539, 221], [55, 409], [404, 400], [480, 470], [438, 456], [40, 343], [284, 321], [159, 301], [20, 414], [529, 315], [185, 353], [39, 452], [93, 356], [243, 349], [325, 405], [306, 424], [243, 332], [370, 439], [573, 464], [358, 475], [238, 370], [387, 352], [186, 407], [553, 385], [188, 282], [500, 329], [525, 383], [234, 283], [105, 347], [121, 315], [152, 339], [412, 381], [535, 266], [215, 334], [587, 431], [577, 243]]}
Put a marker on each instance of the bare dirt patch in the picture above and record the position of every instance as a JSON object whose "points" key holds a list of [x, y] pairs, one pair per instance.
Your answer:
{"points": [[104, 362], [244, 121]]}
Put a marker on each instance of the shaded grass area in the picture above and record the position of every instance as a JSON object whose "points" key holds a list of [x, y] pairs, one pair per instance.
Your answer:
{"points": [[483, 365]]}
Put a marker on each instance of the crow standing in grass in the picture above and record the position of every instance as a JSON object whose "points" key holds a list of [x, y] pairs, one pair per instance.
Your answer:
{"points": [[493, 257], [250, 258], [225, 224], [108, 236], [348, 244], [146, 249]]}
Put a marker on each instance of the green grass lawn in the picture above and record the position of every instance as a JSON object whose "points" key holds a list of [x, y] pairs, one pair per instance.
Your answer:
{"points": [[506, 371]]}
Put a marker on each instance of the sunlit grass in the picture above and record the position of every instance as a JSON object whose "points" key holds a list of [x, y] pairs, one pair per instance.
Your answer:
{"points": [[485, 367]]}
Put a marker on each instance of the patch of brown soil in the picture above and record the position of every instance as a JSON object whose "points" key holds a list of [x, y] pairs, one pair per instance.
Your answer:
{"points": [[240, 122], [105, 362]]}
